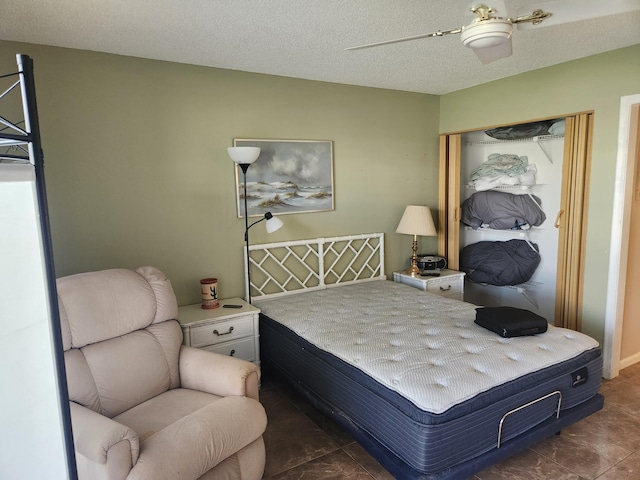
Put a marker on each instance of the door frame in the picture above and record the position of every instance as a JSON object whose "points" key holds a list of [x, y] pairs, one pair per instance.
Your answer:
{"points": [[623, 192]]}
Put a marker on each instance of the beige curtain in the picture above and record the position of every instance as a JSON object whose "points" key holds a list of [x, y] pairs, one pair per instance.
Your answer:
{"points": [[572, 221]]}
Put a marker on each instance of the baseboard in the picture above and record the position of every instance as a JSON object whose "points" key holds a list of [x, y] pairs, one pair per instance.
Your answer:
{"points": [[627, 362]]}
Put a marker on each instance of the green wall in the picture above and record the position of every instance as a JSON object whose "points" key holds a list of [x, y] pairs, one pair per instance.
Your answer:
{"points": [[595, 83], [137, 171]]}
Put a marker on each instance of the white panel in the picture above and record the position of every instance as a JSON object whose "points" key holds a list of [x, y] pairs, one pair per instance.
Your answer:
{"points": [[29, 405]]}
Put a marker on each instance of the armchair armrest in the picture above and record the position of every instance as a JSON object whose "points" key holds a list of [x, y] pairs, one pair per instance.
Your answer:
{"points": [[218, 374], [102, 440]]}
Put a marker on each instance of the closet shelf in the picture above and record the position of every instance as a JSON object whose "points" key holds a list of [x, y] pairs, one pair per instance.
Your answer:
{"points": [[524, 286], [527, 290], [470, 186], [521, 287], [540, 138], [510, 233]]}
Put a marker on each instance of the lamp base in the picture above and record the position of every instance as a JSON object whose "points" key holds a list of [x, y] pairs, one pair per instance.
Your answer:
{"points": [[413, 270]]}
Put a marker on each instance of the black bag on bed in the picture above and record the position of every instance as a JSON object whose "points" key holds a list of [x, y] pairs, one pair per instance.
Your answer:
{"points": [[510, 321]]}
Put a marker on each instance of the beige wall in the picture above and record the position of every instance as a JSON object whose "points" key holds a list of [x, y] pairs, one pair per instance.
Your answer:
{"points": [[595, 83], [137, 171]]}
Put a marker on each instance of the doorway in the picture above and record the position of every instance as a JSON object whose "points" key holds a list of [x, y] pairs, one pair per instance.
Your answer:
{"points": [[621, 319]]}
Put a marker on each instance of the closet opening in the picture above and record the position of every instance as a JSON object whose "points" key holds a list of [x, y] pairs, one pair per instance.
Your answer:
{"points": [[513, 214]]}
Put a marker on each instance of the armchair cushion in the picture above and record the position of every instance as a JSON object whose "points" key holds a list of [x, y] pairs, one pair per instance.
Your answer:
{"points": [[184, 433], [122, 372]]}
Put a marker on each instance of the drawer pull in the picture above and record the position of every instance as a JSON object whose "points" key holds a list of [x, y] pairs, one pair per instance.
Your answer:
{"points": [[442, 289], [232, 353], [225, 333]]}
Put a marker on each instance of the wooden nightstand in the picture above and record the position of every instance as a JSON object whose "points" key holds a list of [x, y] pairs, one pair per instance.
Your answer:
{"points": [[230, 331], [450, 283]]}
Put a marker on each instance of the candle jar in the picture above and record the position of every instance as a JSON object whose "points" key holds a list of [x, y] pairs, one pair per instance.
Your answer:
{"points": [[209, 290]]}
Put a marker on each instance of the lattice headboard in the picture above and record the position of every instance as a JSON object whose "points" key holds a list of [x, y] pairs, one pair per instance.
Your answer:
{"points": [[290, 267]]}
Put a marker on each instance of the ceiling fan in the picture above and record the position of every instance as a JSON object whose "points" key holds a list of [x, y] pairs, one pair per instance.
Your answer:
{"points": [[489, 35]]}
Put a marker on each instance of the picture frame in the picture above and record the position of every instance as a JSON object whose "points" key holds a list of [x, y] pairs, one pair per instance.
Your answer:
{"points": [[289, 176]]}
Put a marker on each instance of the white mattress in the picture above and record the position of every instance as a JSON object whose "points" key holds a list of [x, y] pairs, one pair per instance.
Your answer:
{"points": [[423, 346]]}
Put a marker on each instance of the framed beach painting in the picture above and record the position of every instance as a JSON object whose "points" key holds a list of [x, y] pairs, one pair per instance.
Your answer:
{"points": [[289, 176]]}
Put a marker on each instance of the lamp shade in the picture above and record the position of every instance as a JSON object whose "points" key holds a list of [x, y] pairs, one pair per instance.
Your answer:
{"points": [[273, 224], [417, 220], [244, 155]]}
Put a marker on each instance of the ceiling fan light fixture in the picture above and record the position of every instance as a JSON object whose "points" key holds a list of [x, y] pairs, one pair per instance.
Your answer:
{"points": [[486, 33]]}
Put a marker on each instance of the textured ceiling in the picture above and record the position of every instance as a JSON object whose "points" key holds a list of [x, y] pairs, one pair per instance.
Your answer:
{"points": [[307, 38]]}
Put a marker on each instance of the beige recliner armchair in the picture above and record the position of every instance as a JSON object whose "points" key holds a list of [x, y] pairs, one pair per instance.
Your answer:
{"points": [[144, 406]]}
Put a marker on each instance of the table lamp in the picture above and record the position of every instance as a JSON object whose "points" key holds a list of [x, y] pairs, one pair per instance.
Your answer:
{"points": [[416, 220]]}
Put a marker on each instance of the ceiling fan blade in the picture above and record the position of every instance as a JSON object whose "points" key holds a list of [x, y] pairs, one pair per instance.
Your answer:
{"points": [[491, 54], [566, 11], [439, 33]]}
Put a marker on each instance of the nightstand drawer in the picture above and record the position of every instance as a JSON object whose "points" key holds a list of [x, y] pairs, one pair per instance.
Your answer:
{"points": [[242, 348], [230, 331], [449, 283], [446, 287], [219, 332]]}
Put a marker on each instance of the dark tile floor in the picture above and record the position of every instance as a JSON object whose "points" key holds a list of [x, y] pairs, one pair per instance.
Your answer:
{"points": [[303, 444]]}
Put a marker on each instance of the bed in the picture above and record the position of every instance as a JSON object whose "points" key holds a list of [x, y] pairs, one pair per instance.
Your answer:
{"points": [[430, 394]]}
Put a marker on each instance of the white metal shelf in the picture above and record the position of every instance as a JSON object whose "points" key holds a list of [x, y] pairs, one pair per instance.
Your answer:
{"points": [[539, 140], [527, 290], [510, 233], [469, 186]]}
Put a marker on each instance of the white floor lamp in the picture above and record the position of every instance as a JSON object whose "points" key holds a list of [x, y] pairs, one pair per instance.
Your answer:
{"points": [[244, 157]]}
